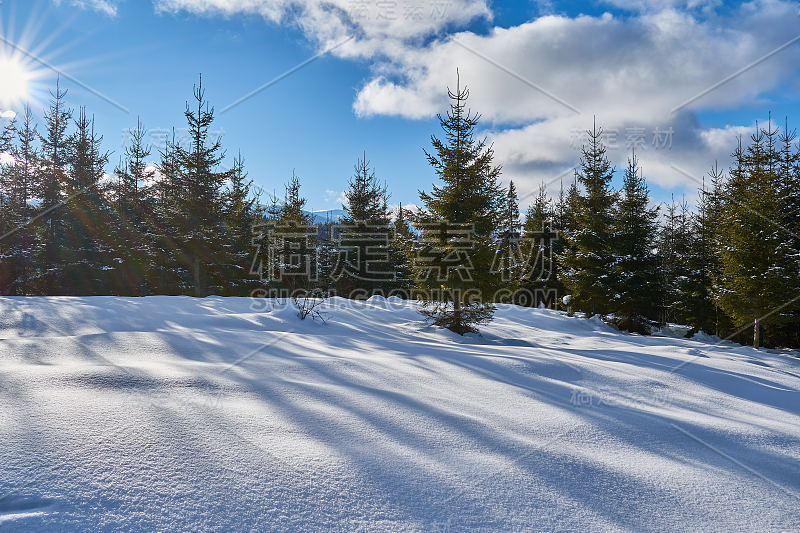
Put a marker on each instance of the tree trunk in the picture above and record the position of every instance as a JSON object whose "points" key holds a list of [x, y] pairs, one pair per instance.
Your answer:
{"points": [[756, 333], [197, 290], [458, 319]]}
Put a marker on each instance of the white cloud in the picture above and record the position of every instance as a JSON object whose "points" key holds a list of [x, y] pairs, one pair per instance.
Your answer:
{"points": [[109, 7], [335, 196], [630, 72], [7, 114], [640, 67], [656, 5], [377, 27]]}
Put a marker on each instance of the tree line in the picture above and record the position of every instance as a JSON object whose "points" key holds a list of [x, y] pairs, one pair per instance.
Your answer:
{"points": [[186, 225]]}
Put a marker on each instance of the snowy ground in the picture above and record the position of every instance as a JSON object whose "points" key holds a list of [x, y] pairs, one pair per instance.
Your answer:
{"points": [[172, 413]]}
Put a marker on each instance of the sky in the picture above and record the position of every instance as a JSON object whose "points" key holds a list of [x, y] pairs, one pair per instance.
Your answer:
{"points": [[310, 85]]}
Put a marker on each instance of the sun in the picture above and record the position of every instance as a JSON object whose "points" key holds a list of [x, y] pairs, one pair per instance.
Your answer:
{"points": [[13, 81]]}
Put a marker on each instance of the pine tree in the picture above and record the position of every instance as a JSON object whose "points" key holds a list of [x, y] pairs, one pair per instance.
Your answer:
{"points": [[569, 223], [294, 244], [54, 153], [566, 223], [268, 246], [86, 219], [327, 254], [755, 275], [7, 136], [635, 271], [670, 262], [540, 281], [511, 224], [364, 268], [508, 260], [241, 214], [713, 209], [588, 259], [789, 184], [675, 245], [8, 208], [133, 176], [702, 263], [22, 244], [366, 199], [459, 223], [201, 227], [402, 250], [135, 204], [167, 269]]}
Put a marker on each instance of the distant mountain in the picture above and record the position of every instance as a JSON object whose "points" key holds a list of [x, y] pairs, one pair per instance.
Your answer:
{"points": [[321, 217]]}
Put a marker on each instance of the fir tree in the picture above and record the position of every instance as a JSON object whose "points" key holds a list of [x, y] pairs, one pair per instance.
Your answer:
{"points": [[87, 221], [702, 261], [135, 209], [508, 261], [286, 245], [364, 267], [566, 223], [755, 275], [458, 285], [293, 207], [789, 184], [8, 208], [7, 136], [201, 227], [327, 254], [54, 154], [294, 243], [402, 252], [241, 214], [167, 268], [588, 259], [133, 176], [23, 172], [511, 224], [366, 199], [675, 245], [635, 271], [713, 210], [539, 281]]}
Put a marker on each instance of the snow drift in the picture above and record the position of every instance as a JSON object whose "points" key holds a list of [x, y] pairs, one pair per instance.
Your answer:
{"points": [[174, 413]]}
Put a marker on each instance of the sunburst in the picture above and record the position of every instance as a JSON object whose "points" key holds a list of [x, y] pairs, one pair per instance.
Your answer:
{"points": [[28, 65], [14, 82]]}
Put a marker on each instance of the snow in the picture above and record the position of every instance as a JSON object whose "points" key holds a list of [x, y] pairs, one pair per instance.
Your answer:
{"points": [[679, 330], [174, 413]]}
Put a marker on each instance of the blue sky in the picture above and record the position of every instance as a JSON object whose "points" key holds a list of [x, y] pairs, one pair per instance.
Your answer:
{"points": [[527, 63]]}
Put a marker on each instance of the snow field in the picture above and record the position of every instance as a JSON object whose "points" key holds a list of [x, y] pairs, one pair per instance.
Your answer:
{"points": [[175, 413]]}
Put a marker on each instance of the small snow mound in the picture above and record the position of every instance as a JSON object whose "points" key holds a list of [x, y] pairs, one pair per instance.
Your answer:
{"points": [[597, 320], [702, 336], [676, 331]]}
